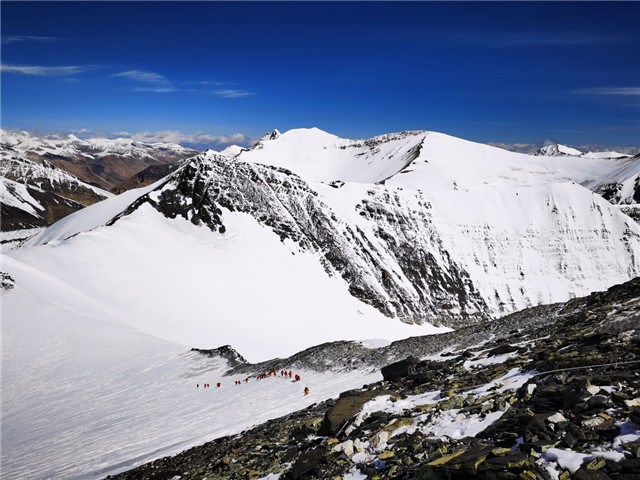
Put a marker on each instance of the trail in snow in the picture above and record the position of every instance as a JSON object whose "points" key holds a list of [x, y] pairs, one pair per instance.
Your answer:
{"points": [[85, 398]]}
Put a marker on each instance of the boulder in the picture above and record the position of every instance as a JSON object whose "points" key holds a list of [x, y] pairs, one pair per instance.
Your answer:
{"points": [[400, 370], [345, 409]]}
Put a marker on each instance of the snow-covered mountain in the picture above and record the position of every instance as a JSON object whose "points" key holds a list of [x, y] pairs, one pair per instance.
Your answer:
{"points": [[557, 150], [306, 238], [619, 183], [98, 161], [37, 194], [621, 187], [422, 160], [420, 226]]}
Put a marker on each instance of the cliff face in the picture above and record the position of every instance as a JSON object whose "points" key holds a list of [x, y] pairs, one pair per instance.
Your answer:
{"points": [[448, 258]]}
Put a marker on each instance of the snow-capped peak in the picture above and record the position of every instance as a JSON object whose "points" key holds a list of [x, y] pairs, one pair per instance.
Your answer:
{"points": [[557, 150]]}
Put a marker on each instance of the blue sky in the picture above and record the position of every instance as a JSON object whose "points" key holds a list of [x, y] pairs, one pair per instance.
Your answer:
{"points": [[490, 72]]}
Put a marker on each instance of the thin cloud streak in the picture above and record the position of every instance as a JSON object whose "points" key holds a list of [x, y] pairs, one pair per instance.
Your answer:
{"points": [[42, 71], [142, 76], [151, 81], [155, 89], [156, 83], [231, 93], [609, 91], [513, 39], [26, 38]]}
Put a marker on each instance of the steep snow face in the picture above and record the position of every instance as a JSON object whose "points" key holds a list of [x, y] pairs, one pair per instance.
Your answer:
{"points": [[320, 156], [444, 258], [17, 195], [171, 279], [538, 245], [622, 186]]}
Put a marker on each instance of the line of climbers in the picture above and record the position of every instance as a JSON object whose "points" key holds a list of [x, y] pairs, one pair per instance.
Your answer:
{"points": [[260, 376]]}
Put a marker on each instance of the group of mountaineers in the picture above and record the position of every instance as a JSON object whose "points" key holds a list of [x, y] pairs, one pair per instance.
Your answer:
{"points": [[261, 376]]}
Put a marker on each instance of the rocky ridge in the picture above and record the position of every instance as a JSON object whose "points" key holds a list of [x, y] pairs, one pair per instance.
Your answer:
{"points": [[412, 255], [420, 280], [546, 393]]}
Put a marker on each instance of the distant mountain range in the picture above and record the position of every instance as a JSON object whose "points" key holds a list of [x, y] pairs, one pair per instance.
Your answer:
{"points": [[102, 162]]}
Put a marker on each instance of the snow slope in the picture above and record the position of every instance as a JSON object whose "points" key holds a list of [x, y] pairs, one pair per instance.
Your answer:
{"points": [[17, 195], [84, 398], [91, 217], [229, 250], [179, 282], [442, 258], [623, 185], [428, 161], [519, 247]]}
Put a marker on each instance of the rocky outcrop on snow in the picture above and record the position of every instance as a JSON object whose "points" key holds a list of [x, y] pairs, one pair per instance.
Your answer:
{"points": [[556, 150], [417, 284], [559, 399], [446, 259]]}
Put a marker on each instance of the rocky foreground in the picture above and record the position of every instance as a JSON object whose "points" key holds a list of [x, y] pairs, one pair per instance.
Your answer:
{"points": [[548, 393]]}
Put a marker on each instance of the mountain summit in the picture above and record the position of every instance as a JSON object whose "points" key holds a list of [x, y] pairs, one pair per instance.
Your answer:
{"points": [[408, 228]]}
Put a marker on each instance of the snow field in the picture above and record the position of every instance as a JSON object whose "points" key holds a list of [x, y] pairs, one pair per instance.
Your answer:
{"points": [[444, 162], [272, 314], [83, 398]]}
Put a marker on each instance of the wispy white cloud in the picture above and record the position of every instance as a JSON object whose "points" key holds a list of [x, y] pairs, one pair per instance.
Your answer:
{"points": [[231, 93], [141, 76], [609, 91], [208, 83], [6, 39], [153, 82], [145, 81], [42, 71], [155, 89]]}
